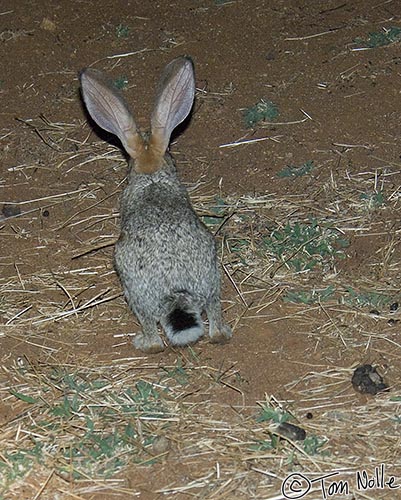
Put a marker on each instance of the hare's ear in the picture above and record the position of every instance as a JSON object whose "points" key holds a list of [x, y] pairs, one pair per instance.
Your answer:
{"points": [[109, 110], [174, 101]]}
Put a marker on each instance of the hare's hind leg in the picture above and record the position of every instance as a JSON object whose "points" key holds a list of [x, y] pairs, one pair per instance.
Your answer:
{"points": [[219, 332], [148, 340]]}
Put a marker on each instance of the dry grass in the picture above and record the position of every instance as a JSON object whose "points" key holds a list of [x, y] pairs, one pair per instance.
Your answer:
{"points": [[74, 424]]}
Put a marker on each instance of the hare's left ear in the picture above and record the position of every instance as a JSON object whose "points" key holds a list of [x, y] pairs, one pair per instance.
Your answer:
{"points": [[174, 100], [108, 108]]}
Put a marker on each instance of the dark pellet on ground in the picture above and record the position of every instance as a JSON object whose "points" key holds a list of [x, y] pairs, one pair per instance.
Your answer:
{"points": [[291, 431], [10, 210], [367, 381]]}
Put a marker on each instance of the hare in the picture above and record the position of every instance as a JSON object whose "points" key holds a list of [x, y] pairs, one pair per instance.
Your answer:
{"points": [[165, 257]]}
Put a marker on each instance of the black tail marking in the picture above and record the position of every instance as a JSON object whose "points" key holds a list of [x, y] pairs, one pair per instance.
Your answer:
{"points": [[181, 320]]}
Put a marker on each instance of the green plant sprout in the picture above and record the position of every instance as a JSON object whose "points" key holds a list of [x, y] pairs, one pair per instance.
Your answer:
{"points": [[264, 110], [97, 427], [366, 299], [122, 31], [381, 38], [310, 297], [120, 82], [293, 171], [302, 246], [373, 200]]}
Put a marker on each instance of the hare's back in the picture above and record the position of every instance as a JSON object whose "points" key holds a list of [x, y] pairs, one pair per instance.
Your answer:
{"points": [[161, 230]]}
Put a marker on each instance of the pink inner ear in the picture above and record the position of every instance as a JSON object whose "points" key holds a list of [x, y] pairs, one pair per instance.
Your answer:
{"points": [[173, 101]]}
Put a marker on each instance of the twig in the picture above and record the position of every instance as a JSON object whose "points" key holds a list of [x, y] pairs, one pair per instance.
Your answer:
{"points": [[295, 38], [248, 141]]}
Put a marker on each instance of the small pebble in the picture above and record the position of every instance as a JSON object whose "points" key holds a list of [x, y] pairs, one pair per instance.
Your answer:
{"points": [[393, 306], [160, 445], [48, 25]]}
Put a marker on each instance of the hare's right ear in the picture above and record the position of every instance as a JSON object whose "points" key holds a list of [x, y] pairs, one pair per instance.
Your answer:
{"points": [[174, 101], [109, 110]]}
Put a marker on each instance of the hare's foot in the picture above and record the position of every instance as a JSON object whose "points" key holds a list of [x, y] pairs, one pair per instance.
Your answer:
{"points": [[221, 335], [148, 340], [150, 344], [219, 332]]}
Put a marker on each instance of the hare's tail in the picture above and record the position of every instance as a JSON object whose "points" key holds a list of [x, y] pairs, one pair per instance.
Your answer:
{"points": [[183, 324]]}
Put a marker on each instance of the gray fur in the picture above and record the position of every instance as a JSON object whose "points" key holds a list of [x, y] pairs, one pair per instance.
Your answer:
{"points": [[165, 257]]}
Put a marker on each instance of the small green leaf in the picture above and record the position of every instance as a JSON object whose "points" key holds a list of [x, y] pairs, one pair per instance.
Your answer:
{"points": [[23, 397], [121, 82], [122, 31], [293, 171], [264, 110], [271, 414]]}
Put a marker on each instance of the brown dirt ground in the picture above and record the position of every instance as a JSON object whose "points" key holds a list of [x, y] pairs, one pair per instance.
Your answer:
{"points": [[242, 51]]}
